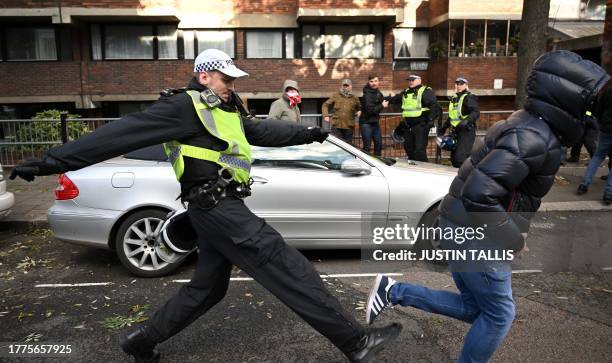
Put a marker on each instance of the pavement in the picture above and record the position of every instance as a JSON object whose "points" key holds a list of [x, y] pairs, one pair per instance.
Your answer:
{"points": [[33, 199]]}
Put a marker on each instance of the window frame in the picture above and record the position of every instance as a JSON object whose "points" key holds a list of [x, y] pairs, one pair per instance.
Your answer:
{"points": [[299, 34], [155, 45], [57, 37], [283, 32], [423, 29]]}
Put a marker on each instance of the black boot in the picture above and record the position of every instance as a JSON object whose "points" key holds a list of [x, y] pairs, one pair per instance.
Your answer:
{"points": [[375, 340], [582, 189], [142, 348]]}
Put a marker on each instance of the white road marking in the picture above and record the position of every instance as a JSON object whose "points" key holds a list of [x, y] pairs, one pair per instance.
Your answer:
{"points": [[322, 276], [76, 285], [574, 206], [607, 268], [87, 284], [526, 271]]}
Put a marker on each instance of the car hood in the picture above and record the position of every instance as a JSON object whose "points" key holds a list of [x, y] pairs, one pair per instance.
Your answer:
{"points": [[402, 163]]}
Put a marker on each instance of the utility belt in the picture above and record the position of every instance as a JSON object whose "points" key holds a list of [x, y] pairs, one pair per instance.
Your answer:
{"points": [[209, 194]]}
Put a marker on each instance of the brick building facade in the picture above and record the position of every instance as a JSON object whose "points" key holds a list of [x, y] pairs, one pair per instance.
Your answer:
{"points": [[108, 57]]}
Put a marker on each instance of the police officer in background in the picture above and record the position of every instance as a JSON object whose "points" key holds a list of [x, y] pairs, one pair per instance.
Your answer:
{"points": [[207, 136], [463, 112], [419, 110]]}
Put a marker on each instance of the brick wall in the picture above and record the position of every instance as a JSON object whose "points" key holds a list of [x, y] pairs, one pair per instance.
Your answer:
{"points": [[481, 71], [266, 6], [437, 8], [39, 78]]}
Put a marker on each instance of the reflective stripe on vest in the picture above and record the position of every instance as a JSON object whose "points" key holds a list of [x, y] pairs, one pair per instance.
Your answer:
{"points": [[454, 111], [226, 126], [411, 103]]}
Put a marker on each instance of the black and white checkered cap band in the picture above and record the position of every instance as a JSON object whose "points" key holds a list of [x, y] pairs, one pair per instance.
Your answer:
{"points": [[213, 65]]}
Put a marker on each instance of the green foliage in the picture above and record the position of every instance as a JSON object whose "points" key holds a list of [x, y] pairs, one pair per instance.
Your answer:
{"points": [[47, 132]]}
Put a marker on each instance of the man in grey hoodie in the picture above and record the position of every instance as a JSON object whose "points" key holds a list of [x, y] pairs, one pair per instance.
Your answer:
{"points": [[286, 108]]}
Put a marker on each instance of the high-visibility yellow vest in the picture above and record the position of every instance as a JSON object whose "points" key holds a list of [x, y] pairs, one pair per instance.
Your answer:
{"points": [[411, 103], [223, 125], [454, 110]]}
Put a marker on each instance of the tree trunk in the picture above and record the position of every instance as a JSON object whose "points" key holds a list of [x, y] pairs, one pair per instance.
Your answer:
{"points": [[532, 43], [606, 48]]}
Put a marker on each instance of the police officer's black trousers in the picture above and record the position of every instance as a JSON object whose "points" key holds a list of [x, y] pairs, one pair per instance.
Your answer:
{"points": [[230, 234], [416, 138], [465, 142]]}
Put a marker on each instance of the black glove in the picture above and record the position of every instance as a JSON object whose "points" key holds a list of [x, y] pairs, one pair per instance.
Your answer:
{"points": [[33, 167], [318, 134]]}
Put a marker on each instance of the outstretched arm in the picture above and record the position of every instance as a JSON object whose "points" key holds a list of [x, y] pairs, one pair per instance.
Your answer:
{"points": [[280, 133], [163, 121]]}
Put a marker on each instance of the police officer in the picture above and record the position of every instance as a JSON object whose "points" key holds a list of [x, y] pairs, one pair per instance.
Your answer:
{"points": [[207, 136], [463, 112], [419, 110]]}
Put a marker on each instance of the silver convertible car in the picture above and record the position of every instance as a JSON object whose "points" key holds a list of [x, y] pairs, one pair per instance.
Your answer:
{"points": [[315, 195]]}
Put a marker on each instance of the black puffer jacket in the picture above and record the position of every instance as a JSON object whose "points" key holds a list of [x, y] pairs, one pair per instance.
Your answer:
{"points": [[515, 166], [371, 105]]}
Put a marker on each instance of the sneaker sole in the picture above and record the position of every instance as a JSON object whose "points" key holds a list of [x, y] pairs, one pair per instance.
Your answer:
{"points": [[371, 357], [371, 298]]}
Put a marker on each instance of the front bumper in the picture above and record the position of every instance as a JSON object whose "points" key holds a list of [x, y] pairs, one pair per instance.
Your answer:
{"points": [[7, 200], [84, 226]]}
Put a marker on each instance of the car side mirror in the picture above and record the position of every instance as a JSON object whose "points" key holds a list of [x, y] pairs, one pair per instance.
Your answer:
{"points": [[355, 167]]}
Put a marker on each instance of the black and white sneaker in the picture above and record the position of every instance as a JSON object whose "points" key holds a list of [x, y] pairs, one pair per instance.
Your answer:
{"points": [[379, 300]]}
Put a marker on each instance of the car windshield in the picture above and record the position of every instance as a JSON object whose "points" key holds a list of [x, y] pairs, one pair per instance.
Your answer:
{"points": [[315, 156]]}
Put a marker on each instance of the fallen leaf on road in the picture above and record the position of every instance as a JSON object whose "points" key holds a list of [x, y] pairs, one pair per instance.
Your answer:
{"points": [[269, 315], [33, 337]]}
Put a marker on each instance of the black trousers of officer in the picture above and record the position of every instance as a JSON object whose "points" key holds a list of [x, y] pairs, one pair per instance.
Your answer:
{"points": [[416, 138], [465, 142], [230, 234]]}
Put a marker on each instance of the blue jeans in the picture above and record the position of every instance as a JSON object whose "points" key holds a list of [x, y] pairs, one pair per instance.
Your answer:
{"points": [[603, 149], [371, 132], [484, 300]]}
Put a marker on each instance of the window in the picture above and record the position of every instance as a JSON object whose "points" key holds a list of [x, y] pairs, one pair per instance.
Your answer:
{"points": [[467, 38], [217, 39], [28, 44], [133, 42], [196, 41], [269, 44], [167, 42], [128, 42], [325, 156], [497, 35], [342, 41], [412, 43], [474, 37]]}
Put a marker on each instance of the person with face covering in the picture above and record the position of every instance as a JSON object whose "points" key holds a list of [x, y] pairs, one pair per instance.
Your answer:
{"points": [[346, 107], [287, 108], [500, 186], [207, 135]]}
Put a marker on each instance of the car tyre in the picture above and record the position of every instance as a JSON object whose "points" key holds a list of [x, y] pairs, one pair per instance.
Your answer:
{"points": [[430, 219], [134, 244]]}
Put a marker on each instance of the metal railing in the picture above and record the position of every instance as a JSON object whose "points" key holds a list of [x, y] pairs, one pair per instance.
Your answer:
{"points": [[24, 138]]}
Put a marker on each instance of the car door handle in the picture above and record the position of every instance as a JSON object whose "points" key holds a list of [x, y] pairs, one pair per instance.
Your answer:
{"points": [[258, 179]]}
